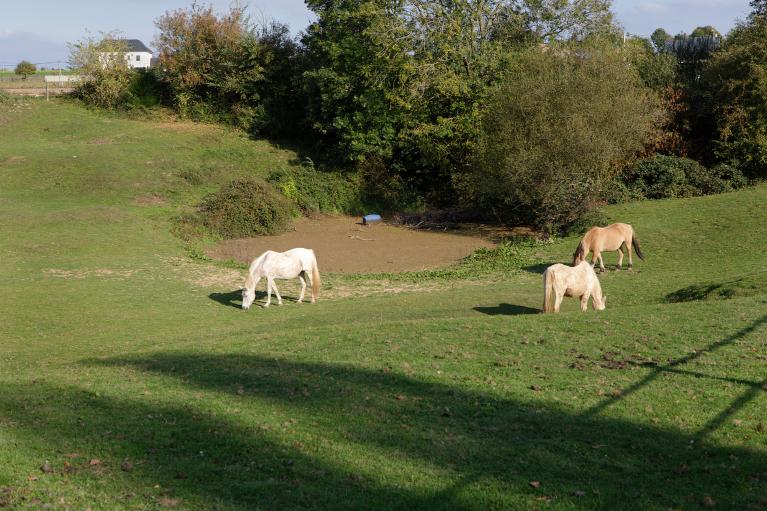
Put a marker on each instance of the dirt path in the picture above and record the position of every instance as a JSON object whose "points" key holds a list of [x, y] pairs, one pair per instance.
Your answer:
{"points": [[36, 91], [342, 245]]}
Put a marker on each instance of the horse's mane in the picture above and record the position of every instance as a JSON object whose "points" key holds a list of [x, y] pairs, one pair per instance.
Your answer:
{"points": [[579, 252], [255, 265]]}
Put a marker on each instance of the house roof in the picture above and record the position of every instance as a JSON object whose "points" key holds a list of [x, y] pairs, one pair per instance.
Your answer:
{"points": [[136, 45]]}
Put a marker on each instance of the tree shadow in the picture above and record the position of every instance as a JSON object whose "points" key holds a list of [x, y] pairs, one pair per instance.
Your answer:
{"points": [[693, 293], [507, 309], [481, 439]]}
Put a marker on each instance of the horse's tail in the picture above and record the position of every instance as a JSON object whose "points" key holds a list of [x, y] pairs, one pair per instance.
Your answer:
{"points": [[637, 248], [580, 253], [316, 282], [549, 295], [257, 262]]}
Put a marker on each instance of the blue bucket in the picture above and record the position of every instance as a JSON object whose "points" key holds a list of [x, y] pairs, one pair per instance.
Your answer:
{"points": [[370, 219]]}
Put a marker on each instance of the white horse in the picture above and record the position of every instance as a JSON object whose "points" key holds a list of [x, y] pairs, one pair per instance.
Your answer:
{"points": [[297, 262], [560, 280]]}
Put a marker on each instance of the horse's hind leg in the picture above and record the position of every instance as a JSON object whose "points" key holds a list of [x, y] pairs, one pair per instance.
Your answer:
{"points": [[628, 249], [558, 301], [620, 257], [302, 278]]}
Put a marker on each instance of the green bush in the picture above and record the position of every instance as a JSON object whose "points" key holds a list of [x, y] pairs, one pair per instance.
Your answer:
{"points": [[556, 132], [617, 192], [661, 177], [246, 207], [589, 219], [730, 174], [313, 191]]}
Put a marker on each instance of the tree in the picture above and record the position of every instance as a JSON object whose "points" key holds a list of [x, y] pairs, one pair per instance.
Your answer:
{"points": [[560, 125], [107, 77], [209, 61], [737, 89], [659, 39], [404, 82], [707, 31], [758, 9], [24, 69]]}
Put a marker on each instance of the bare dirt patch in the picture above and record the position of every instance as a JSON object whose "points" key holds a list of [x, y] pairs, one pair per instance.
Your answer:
{"points": [[13, 159], [100, 141], [343, 245], [152, 199], [86, 273]]}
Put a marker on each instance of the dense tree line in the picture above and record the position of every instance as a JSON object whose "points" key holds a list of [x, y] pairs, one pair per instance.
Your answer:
{"points": [[527, 110]]}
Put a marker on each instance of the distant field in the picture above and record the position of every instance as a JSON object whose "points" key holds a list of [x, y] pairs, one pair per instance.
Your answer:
{"points": [[10, 80], [130, 379]]}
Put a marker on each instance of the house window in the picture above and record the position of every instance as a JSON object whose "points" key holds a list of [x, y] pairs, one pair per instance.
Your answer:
{"points": [[138, 58]]}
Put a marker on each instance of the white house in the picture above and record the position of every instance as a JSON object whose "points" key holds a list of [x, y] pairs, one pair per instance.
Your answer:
{"points": [[138, 55]]}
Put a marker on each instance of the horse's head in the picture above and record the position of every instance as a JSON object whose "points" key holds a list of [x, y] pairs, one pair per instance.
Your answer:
{"points": [[247, 298], [600, 305]]}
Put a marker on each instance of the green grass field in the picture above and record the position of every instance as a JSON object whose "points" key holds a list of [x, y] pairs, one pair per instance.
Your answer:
{"points": [[130, 379]]}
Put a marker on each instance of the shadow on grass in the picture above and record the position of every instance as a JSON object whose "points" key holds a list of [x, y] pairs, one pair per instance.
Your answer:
{"points": [[507, 309], [241, 431], [744, 286], [232, 298], [539, 267]]}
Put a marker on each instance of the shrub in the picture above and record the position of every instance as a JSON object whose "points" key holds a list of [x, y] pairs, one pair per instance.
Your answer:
{"points": [[313, 191], [556, 132], [731, 174], [107, 77], [246, 207], [663, 177], [589, 219]]}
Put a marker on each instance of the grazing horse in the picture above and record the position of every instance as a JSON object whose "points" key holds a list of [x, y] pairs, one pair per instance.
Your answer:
{"points": [[297, 262], [612, 237], [560, 280]]}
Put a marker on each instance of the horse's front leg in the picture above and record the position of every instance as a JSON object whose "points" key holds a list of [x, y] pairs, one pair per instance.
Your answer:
{"points": [[601, 262], [585, 302], [268, 291], [302, 279], [276, 292]]}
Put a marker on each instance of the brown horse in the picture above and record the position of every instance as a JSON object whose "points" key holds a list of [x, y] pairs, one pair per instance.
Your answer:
{"points": [[612, 237]]}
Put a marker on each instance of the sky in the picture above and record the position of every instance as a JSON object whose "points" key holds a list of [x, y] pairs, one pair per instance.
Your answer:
{"points": [[39, 30]]}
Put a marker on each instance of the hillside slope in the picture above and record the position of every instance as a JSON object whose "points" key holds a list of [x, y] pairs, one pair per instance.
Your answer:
{"points": [[130, 375]]}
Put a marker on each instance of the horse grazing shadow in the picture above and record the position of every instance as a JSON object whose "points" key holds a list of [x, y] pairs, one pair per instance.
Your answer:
{"points": [[231, 299], [507, 309]]}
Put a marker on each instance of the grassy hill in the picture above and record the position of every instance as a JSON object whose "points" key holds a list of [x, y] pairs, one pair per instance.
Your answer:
{"points": [[130, 376]]}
